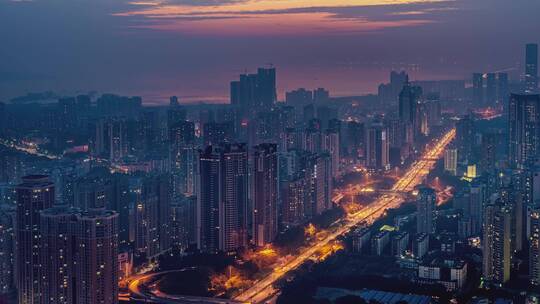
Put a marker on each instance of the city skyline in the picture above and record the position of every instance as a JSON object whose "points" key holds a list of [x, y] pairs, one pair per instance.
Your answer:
{"points": [[269, 151], [157, 49]]}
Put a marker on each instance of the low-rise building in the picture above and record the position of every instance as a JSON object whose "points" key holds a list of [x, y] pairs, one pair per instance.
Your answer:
{"points": [[400, 243], [379, 242], [360, 239], [450, 273], [420, 245]]}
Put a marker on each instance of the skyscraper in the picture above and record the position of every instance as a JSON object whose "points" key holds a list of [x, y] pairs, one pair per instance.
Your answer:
{"points": [[331, 144], [96, 236], [475, 206], [510, 196], [183, 156], [173, 101], [57, 254], [491, 89], [265, 190], [464, 141], [294, 197], [530, 186], [7, 249], [534, 248], [354, 138], [184, 170], [150, 124], [320, 95], [299, 97], [377, 147], [100, 190], [151, 216], [3, 118], [409, 108], [408, 101], [497, 249], [478, 89], [265, 128], [175, 113], [319, 184], [254, 91], [266, 88], [216, 133], [93, 191], [182, 133], [222, 199], [502, 88], [209, 200], [67, 112], [489, 151], [433, 109], [110, 139], [34, 194], [117, 139], [425, 210], [523, 129], [183, 221], [243, 91], [450, 161], [531, 67], [389, 93], [78, 254]]}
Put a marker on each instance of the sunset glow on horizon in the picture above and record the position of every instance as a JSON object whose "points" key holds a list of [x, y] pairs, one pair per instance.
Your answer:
{"points": [[282, 24], [267, 17], [158, 48]]}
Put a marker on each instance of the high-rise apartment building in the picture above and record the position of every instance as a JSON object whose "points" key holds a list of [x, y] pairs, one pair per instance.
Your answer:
{"points": [[151, 216], [299, 97], [175, 113], [183, 221], [464, 141], [294, 195], [491, 88], [426, 202], [184, 158], [478, 88], [181, 133], [216, 133], [331, 145], [254, 91], [410, 108], [78, 256], [222, 200], [523, 129], [7, 249], [534, 247], [531, 67], [34, 194], [388, 93], [450, 161], [377, 147], [503, 92], [497, 247], [265, 193]]}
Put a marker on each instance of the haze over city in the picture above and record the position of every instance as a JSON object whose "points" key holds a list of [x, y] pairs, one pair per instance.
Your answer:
{"points": [[192, 48]]}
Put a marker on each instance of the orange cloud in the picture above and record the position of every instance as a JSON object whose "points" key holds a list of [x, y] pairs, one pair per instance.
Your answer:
{"points": [[278, 24], [280, 17]]}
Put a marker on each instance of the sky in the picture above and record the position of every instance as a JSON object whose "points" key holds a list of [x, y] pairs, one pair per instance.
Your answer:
{"points": [[194, 48]]}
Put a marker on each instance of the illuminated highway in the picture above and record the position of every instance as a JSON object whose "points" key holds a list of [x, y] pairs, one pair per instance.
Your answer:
{"points": [[155, 296], [29, 148], [263, 289]]}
